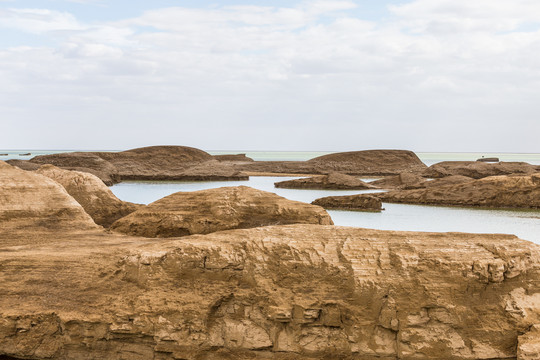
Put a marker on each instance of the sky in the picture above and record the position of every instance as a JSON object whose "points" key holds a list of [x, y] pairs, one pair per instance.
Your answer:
{"points": [[423, 75]]}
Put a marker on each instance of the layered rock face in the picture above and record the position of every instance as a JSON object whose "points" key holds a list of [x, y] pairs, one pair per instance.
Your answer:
{"points": [[213, 170], [478, 170], [279, 292], [29, 200], [333, 180], [350, 202], [495, 191], [206, 211], [91, 193]]}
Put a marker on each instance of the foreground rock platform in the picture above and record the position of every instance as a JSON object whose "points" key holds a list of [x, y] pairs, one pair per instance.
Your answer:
{"points": [[206, 211], [278, 292]]}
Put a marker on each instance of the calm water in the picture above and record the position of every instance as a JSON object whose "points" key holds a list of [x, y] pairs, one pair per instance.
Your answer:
{"points": [[525, 224]]}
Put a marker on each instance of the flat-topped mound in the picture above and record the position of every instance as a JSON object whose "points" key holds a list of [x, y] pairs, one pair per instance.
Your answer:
{"points": [[178, 153], [350, 202], [336, 181], [30, 200], [478, 169], [277, 292], [206, 211], [496, 191], [373, 161], [93, 195]]}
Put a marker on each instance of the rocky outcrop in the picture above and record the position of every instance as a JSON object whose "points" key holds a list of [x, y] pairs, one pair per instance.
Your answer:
{"points": [[333, 180], [373, 162], [148, 163], [529, 344], [91, 193], [478, 170], [29, 200], [233, 157], [351, 202], [495, 191], [279, 292], [82, 161], [359, 163], [207, 211]]}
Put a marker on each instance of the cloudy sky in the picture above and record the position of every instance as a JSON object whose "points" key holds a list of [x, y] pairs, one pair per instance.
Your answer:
{"points": [[425, 75]]}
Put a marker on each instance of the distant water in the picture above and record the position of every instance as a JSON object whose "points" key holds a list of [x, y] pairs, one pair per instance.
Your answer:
{"points": [[525, 224]]}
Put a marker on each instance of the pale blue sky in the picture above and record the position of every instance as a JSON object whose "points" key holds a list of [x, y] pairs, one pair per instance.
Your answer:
{"points": [[426, 75]]}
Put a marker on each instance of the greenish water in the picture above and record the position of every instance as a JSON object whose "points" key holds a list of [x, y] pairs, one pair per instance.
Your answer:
{"points": [[525, 224]]}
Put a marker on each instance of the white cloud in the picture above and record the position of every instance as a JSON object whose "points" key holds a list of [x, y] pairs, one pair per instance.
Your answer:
{"points": [[38, 21], [312, 77]]}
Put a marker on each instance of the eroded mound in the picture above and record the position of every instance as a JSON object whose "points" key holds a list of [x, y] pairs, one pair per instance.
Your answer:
{"points": [[29, 200], [93, 195], [206, 211]]}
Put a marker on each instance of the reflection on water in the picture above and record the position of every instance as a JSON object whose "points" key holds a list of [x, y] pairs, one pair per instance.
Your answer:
{"points": [[525, 224]]}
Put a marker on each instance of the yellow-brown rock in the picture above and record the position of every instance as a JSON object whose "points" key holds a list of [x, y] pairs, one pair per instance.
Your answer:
{"points": [[350, 202], [334, 180], [277, 292], [494, 191], [529, 344], [478, 169], [206, 211], [93, 195], [29, 200]]}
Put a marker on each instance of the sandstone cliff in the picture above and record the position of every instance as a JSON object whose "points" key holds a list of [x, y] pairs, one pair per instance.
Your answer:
{"points": [[206, 211], [333, 180], [279, 292], [93, 195]]}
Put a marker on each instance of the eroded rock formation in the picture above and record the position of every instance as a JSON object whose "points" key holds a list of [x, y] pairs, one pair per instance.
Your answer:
{"points": [[29, 200], [93, 195], [478, 170], [351, 202], [495, 191], [333, 180], [206, 211]]}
